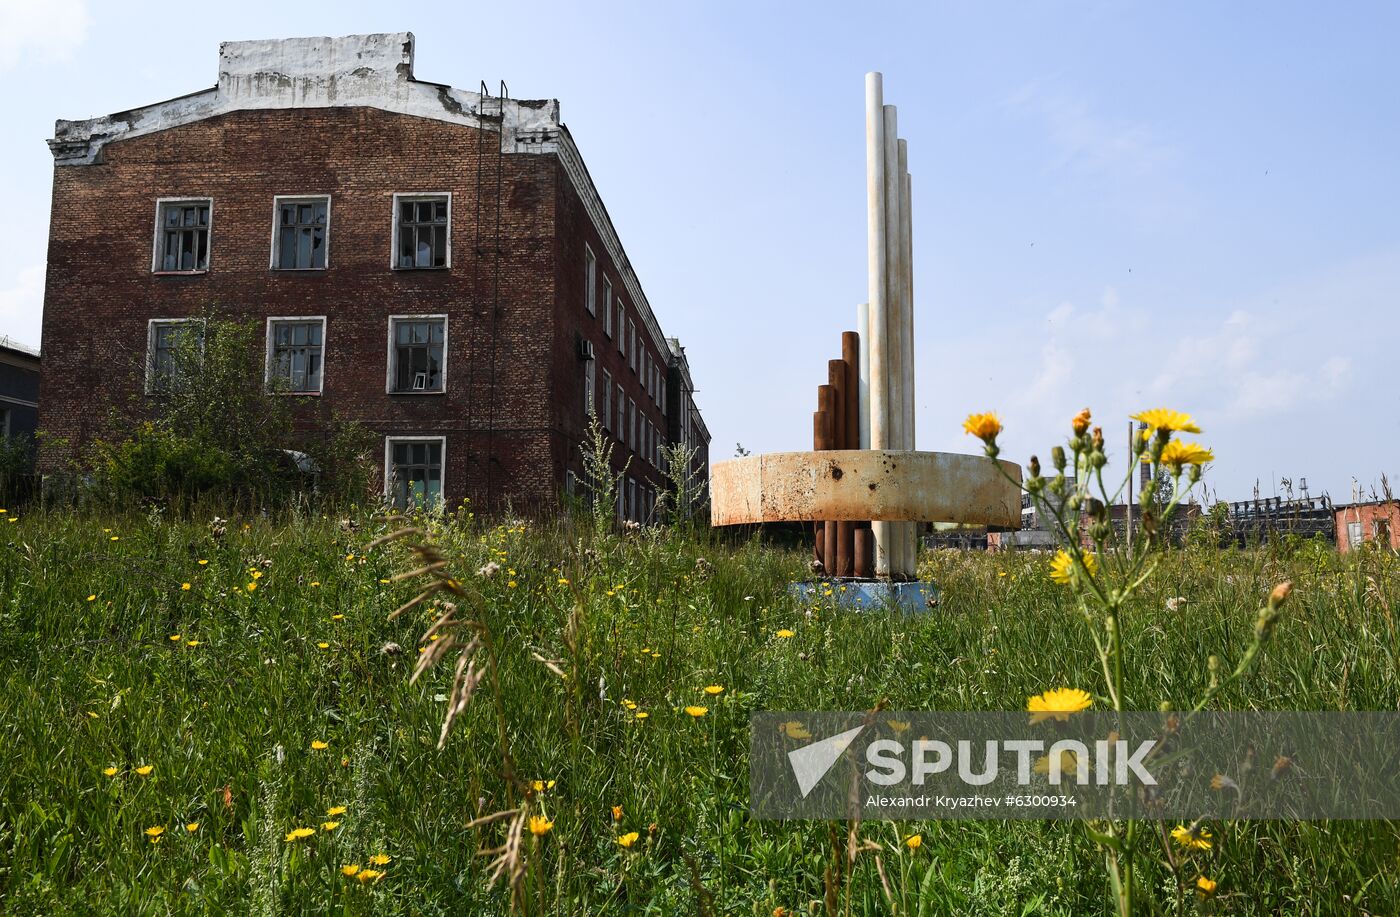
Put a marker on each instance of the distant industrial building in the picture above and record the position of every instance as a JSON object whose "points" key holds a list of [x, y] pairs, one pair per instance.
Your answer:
{"points": [[19, 390], [1376, 521]]}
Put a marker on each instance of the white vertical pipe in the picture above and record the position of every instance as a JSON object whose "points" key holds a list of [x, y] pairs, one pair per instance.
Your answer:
{"points": [[894, 306], [863, 329], [879, 312], [906, 245]]}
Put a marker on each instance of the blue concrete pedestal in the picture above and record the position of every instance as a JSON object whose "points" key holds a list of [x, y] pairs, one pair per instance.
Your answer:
{"points": [[865, 594]]}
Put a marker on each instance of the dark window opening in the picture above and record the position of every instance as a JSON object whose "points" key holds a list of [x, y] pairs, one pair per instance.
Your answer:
{"points": [[184, 236], [422, 230], [301, 235]]}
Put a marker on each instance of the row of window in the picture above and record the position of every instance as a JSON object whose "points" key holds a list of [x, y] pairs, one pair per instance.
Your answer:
{"points": [[296, 347], [636, 500], [630, 344], [421, 235]]}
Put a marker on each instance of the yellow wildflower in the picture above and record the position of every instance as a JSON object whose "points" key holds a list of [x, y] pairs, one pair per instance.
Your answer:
{"points": [[628, 839], [323, 645], [109, 771], [617, 813], [1080, 423], [297, 834], [192, 827], [1167, 419], [1062, 566], [252, 587], [914, 841], [184, 587], [540, 826], [92, 598], [542, 785], [1176, 454], [176, 638], [257, 574], [697, 711], [641, 714], [145, 770], [337, 617], [329, 825], [1058, 704], [368, 875], [336, 810], [318, 745], [349, 869], [1205, 887], [784, 634], [714, 689], [795, 730], [983, 426], [203, 563], [381, 859], [154, 833], [1195, 838]]}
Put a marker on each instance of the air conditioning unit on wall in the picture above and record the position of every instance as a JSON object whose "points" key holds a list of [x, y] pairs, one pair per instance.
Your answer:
{"points": [[585, 348]]}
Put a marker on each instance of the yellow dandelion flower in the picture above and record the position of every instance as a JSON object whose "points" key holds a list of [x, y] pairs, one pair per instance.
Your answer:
{"points": [[795, 730], [1062, 566], [1058, 704], [617, 813], [1205, 887], [192, 643], [1196, 838], [318, 745], [540, 826], [1175, 454], [109, 771], [641, 715], [297, 834], [337, 617], [983, 426], [1069, 763], [697, 711], [542, 785], [251, 587], [1167, 419], [350, 869], [184, 587], [92, 598], [176, 638], [145, 770], [154, 832], [369, 875], [510, 585], [914, 841], [336, 810], [714, 689], [1080, 423], [563, 581], [323, 645], [628, 839], [329, 826], [116, 538], [785, 634], [315, 582], [629, 704], [192, 827], [381, 859], [203, 563], [257, 574]]}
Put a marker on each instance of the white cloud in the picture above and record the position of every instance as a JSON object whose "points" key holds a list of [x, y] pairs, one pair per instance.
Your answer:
{"points": [[22, 305], [1087, 140], [41, 31]]}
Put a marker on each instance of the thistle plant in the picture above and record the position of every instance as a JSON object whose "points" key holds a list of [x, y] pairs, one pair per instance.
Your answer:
{"points": [[1104, 571]]}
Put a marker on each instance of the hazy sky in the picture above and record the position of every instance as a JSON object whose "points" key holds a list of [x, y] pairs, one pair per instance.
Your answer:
{"points": [[1120, 205]]}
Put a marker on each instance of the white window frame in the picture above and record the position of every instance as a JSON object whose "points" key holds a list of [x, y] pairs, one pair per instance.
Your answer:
{"points": [[620, 429], [275, 250], [590, 279], [632, 345], [1355, 534], [608, 298], [400, 196], [157, 233], [590, 386], [390, 352], [390, 441], [151, 341], [605, 419], [621, 327], [267, 361]]}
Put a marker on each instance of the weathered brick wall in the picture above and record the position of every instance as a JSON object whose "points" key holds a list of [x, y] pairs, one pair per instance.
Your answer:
{"points": [[1368, 514], [505, 346]]}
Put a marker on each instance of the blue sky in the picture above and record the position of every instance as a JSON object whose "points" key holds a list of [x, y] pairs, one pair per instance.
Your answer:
{"points": [[1120, 205]]}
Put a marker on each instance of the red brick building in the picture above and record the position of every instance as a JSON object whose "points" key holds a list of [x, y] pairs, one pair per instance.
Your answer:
{"points": [[433, 263], [1378, 520]]}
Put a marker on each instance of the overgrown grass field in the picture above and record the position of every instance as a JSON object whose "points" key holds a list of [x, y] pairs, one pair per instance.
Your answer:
{"points": [[223, 658]]}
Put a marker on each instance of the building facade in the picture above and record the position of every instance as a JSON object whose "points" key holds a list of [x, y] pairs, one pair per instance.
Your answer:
{"points": [[19, 390], [1376, 521], [433, 263]]}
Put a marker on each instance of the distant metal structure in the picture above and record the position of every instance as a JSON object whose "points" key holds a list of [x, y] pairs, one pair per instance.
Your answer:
{"points": [[864, 485], [1257, 519]]}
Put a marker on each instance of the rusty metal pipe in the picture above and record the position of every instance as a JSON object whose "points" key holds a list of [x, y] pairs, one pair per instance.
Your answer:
{"points": [[836, 373], [826, 429], [864, 551]]}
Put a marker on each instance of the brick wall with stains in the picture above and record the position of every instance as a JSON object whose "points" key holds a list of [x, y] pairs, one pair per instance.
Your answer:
{"points": [[513, 407]]}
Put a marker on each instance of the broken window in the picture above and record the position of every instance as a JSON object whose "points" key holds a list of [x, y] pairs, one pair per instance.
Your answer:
{"points": [[182, 236], [301, 234], [417, 345], [421, 228], [295, 355], [173, 347], [413, 478]]}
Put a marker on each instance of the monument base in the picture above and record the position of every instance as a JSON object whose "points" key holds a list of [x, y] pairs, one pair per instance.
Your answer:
{"points": [[863, 594]]}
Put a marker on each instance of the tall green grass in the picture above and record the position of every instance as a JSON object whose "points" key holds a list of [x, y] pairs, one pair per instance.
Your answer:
{"points": [[228, 724]]}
